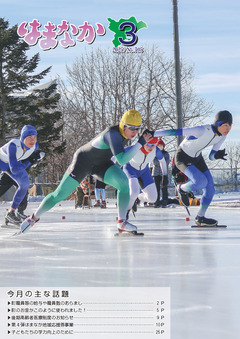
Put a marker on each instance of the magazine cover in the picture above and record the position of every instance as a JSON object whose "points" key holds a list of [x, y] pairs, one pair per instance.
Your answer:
{"points": [[119, 184]]}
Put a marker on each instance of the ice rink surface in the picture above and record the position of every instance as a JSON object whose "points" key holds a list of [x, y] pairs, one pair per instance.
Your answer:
{"points": [[201, 266]]}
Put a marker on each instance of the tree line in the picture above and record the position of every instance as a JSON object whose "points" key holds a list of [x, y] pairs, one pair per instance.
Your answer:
{"points": [[99, 87], [102, 85]]}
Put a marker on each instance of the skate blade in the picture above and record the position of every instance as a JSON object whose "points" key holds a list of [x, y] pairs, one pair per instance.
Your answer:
{"points": [[17, 233], [188, 212], [184, 205], [128, 234], [205, 226], [22, 231]]}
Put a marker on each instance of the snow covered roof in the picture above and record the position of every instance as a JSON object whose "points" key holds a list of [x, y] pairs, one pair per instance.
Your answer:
{"points": [[25, 93]]}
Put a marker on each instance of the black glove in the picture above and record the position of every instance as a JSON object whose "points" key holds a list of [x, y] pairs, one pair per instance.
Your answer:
{"points": [[175, 171], [164, 180], [191, 195], [35, 157], [179, 177], [142, 140], [220, 154], [41, 156]]}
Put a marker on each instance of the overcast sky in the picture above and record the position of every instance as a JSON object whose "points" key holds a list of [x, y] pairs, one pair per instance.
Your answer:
{"points": [[209, 32]]}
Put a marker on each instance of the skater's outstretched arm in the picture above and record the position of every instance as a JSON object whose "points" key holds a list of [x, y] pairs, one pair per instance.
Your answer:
{"points": [[123, 156], [189, 131]]}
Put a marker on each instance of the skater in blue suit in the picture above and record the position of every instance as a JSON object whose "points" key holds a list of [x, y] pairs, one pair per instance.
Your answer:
{"points": [[11, 156], [189, 159]]}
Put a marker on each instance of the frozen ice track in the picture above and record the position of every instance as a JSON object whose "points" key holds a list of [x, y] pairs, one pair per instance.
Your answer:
{"points": [[201, 266]]}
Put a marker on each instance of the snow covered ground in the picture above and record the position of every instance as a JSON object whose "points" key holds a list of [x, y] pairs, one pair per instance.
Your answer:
{"points": [[77, 248]]}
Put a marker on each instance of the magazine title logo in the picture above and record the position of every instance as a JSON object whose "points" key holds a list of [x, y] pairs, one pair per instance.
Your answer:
{"points": [[125, 31], [67, 34]]}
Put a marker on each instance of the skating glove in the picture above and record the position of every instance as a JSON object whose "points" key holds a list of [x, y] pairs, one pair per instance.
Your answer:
{"points": [[35, 157], [41, 156], [179, 177], [191, 195], [141, 140], [220, 154]]}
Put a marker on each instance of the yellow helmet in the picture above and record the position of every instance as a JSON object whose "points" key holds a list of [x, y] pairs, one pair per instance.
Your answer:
{"points": [[130, 118]]}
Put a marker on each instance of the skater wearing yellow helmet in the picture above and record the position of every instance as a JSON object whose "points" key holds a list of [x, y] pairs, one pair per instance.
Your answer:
{"points": [[94, 158], [131, 119]]}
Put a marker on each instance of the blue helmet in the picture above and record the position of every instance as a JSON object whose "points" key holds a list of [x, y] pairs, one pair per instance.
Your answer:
{"points": [[26, 131]]}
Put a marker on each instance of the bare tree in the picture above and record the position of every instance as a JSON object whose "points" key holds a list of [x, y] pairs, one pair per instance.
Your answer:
{"points": [[102, 85], [233, 161]]}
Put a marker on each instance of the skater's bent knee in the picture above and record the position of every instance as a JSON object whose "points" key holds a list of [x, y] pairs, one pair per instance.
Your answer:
{"points": [[124, 189], [57, 196], [122, 185]]}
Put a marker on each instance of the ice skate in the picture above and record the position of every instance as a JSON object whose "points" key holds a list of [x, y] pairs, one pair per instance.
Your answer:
{"points": [[164, 203], [157, 204], [21, 215], [126, 228], [97, 204], [27, 223], [103, 204], [202, 221], [12, 218], [183, 196]]}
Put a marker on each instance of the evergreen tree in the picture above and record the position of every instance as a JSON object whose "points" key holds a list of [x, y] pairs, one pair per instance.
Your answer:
{"points": [[40, 109], [18, 104]]}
